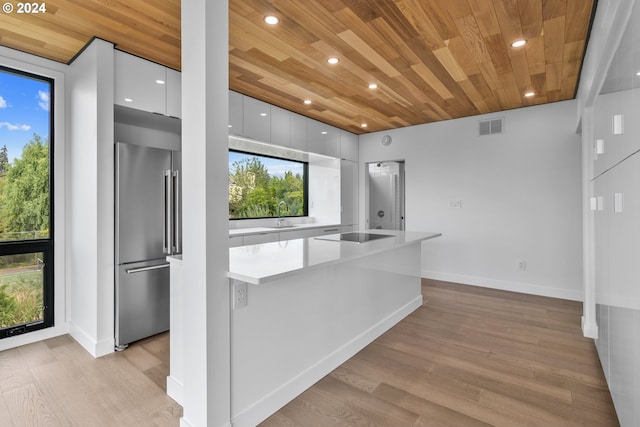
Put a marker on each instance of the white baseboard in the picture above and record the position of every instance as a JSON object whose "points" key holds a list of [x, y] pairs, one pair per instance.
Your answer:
{"points": [[35, 336], [524, 288], [95, 348], [275, 400], [175, 389], [185, 423]]}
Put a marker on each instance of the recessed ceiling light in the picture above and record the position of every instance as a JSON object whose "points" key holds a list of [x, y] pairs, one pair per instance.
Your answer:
{"points": [[333, 60], [263, 114], [373, 86], [307, 101], [364, 125], [271, 20], [529, 94], [160, 82], [128, 100], [324, 132], [638, 73], [518, 43]]}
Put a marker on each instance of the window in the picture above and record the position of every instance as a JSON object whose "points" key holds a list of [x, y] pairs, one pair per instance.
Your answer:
{"points": [[26, 202], [259, 184]]}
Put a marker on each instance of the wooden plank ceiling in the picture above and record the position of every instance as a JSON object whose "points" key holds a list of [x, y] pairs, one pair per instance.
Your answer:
{"points": [[431, 59]]}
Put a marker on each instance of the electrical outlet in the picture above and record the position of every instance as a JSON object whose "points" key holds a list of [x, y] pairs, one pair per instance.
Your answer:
{"points": [[239, 295], [522, 265]]}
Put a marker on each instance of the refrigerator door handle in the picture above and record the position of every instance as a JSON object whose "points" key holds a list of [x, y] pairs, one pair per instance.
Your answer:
{"points": [[141, 269], [176, 211], [168, 211]]}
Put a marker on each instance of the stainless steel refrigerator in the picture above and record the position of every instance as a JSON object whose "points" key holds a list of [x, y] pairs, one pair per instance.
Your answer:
{"points": [[148, 228]]}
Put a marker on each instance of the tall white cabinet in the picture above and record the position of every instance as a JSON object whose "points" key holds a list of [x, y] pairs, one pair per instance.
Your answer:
{"points": [[615, 204]]}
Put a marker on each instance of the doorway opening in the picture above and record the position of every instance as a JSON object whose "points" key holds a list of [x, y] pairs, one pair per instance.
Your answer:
{"points": [[384, 195]]}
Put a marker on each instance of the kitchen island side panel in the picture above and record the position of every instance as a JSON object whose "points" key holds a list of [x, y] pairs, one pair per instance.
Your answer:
{"points": [[298, 328]]}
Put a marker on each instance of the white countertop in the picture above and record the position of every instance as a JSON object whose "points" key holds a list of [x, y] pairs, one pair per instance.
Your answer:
{"points": [[260, 230], [257, 264]]}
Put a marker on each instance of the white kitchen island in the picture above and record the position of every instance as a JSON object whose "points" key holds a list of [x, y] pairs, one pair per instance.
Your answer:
{"points": [[311, 304]]}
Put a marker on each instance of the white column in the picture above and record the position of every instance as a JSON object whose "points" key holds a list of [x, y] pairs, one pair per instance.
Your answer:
{"points": [[205, 213]]}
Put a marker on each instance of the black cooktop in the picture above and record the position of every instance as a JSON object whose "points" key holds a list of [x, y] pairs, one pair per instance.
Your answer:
{"points": [[354, 237]]}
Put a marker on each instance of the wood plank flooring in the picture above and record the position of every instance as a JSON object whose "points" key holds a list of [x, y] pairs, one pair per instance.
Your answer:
{"points": [[469, 357], [57, 383]]}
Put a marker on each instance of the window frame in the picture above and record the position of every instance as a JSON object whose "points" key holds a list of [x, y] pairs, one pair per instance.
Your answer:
{"points": [[44, 245], [305, 184]]}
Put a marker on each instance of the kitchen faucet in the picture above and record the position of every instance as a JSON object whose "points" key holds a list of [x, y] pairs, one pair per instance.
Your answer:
{"points": [[279, 223]]}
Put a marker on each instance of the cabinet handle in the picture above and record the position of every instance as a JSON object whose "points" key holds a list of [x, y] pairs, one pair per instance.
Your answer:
{"points": [[331, 229]]}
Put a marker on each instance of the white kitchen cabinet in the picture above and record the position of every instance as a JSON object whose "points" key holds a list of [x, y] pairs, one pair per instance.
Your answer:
{"points": [[174, 93], [328, 230], [332, 141], [323, 138], [315, 137], [617, 235], [291, 234], [254, 239], [298, 136], [235, 241], [257, 119], [348, 192], [614, 128], [139, 83], [236, 113], [280, 126], [348, 146]]}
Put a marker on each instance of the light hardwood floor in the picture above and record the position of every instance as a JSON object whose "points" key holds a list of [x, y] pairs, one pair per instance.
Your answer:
{"points": [[469, 357], [57, 383]]}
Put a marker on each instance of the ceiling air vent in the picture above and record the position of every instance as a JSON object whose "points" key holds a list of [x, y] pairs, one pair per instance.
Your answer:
{"points": [[489, 127]]}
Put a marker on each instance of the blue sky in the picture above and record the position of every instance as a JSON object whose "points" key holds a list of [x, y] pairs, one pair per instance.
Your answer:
{"points": [[24, 110], [276, 167]]}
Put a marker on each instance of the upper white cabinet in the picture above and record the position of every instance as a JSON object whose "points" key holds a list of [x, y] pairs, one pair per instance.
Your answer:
{"points": [[298, 137], [139, 83], [348, 146], [145, 85], [236, 113], [174, 93], [257, 119], [268, 123], [280, 126], [323, 138], [332, 141], [315, 137]]}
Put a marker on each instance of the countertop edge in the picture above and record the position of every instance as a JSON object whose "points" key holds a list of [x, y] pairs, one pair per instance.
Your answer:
{"points": [[263, 280], [233, 232]]}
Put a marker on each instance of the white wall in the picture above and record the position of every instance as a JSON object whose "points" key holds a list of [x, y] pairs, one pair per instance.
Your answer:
{"points": [[519, 192], [91, 199], [21, 61]]}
